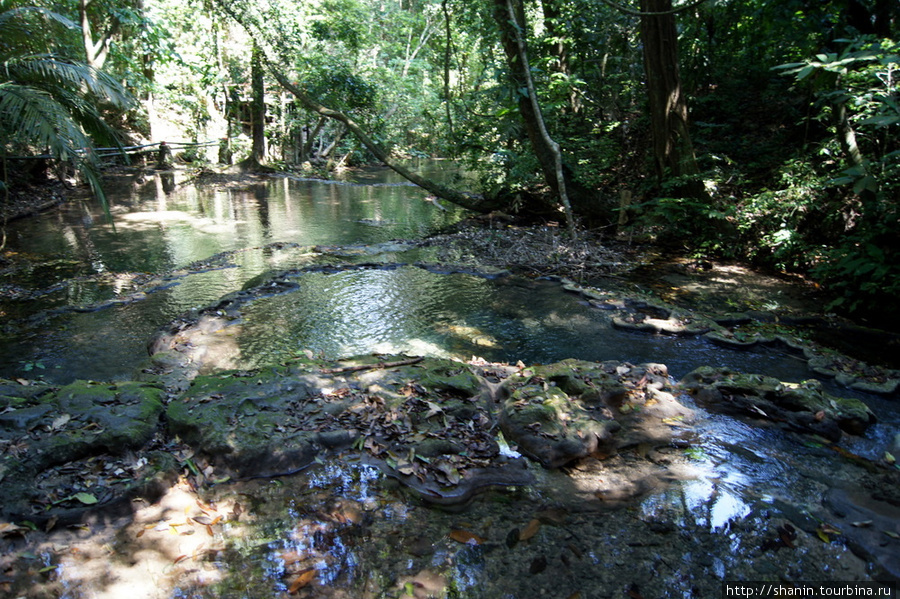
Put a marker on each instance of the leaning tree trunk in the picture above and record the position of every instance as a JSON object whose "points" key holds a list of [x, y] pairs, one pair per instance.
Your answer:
{"points": [[510, 18], [673, 151], [465, 200]]}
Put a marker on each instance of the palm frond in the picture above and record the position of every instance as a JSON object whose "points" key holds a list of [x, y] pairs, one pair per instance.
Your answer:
{"points": [[33, 115], [46, 69]]}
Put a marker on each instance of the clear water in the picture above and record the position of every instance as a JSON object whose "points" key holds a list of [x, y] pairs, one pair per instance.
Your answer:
{"points": [[415, 311], [721, 499]]}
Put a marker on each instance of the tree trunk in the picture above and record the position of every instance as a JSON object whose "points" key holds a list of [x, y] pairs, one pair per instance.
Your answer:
{"points": [[581, 199], [510, 16], [95, 51], [673, 151], [258, 107]]}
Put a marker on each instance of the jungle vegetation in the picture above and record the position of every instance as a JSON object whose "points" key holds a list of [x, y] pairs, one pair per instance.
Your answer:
{"points": [[759, 130]]}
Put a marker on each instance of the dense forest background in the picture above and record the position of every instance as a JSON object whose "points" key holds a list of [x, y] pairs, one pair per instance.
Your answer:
{"points": [[759, 130]]}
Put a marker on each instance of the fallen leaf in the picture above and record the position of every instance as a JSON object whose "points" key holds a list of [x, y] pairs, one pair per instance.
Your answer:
{"points": [[85, 498], [512, 538], [634, 592], [862, 523], [889, 458], [304, 578], [891, 534], [538, 565], [292, 557], [7, 528], [467, 538], [60, 421], [787, 534], [530, 530], [433, 410], [820, 416]]}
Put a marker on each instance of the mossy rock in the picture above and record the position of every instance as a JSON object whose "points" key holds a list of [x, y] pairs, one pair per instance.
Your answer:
{"points": [[82, 420], [548, 424], [243, 421], [802, 406]]}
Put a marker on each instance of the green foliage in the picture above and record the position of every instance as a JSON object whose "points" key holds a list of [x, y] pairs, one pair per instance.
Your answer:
{"points": [[48, 100], [863, 273]]}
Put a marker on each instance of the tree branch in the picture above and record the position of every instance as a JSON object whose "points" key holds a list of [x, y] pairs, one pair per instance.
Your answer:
{"points": [[637, 13]]}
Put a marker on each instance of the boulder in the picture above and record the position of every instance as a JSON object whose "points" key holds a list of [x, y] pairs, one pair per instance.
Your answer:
{"points": [[801, 406]]}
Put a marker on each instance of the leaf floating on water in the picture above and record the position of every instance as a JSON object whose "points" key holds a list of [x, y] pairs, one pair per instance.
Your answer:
{"points": [[634, 591], [787, 534], [304, 578], [532, 529], [466, 537]]}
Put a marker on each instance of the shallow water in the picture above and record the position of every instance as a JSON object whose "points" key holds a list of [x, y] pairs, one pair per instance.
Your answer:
{"points": [[695, 514]]}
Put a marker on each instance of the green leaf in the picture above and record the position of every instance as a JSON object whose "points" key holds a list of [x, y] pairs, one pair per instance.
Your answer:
{"points": [[85, 498]]}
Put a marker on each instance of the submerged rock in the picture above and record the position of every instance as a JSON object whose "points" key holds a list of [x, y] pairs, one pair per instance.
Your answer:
{"points": [[802, 406]]}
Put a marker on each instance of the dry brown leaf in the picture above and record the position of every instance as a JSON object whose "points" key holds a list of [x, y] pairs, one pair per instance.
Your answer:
{"points": [[464, 536], [292, 557], [530, 530], [304, 578]]}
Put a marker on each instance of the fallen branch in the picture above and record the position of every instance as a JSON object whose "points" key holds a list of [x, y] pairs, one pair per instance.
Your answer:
{"points": [[378, 366]]}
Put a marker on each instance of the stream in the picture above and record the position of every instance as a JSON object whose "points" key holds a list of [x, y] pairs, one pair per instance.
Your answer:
{"points": [[727, 501]]}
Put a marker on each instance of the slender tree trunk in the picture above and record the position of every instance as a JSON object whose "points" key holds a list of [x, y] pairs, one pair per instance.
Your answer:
{"points": [[448, 51], [673, 151], [258, 107], [95, 51]]}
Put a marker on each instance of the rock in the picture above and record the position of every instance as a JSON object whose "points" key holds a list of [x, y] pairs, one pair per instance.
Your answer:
{"points": [[572, 409], [804, 406], [57, 430]]}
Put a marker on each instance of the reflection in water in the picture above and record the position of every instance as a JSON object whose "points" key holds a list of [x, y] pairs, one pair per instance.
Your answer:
{"points": [[415, 311]]}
